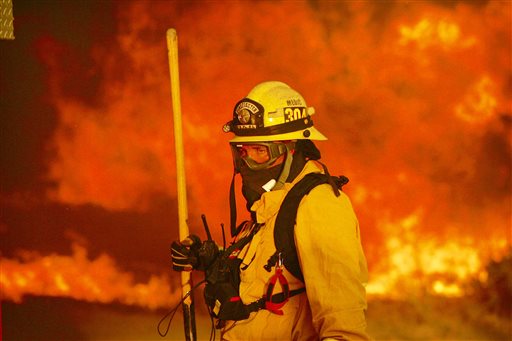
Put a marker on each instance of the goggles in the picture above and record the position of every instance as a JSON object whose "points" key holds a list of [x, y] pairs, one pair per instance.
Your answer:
{"points": [[256, 156]]}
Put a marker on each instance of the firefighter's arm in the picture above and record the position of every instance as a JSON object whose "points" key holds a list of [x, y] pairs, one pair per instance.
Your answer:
{"points": [[333, 264]]}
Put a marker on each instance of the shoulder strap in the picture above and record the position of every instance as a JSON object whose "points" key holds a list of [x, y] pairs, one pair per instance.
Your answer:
{"points": [[250, 229], [286, 218]]}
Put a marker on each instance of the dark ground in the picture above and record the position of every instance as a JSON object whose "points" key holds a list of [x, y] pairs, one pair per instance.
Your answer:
{"points": [[55, 319]]}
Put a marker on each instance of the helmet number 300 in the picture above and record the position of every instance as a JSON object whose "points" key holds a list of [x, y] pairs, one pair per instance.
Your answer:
{"points": [[292, 114]]}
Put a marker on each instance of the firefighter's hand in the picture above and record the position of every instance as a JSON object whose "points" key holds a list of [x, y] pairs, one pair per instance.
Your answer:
{"points": [[185, 254], [192, 254]]}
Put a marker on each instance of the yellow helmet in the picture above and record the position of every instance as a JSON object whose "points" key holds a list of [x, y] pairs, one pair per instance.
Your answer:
{"points": [[272, 111]]}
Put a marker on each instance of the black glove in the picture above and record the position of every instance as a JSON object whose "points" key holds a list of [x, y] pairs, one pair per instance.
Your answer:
{"points": [[192, 254]]}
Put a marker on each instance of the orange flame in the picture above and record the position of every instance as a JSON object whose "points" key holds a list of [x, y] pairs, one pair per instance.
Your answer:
{"points": [[480, 103], [397, 91], [413, 267], [415, 264], [434, 32], [75, 276]]}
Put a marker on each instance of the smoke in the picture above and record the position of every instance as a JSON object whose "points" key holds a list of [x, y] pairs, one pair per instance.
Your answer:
{"points": [[411, 98]]}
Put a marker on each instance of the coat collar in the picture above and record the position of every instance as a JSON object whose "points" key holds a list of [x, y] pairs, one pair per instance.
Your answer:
{"points": [[269, 203]]}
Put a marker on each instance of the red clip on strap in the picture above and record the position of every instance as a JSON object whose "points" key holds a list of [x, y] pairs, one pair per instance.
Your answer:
{"points": [[235, 299], [275, 307]]}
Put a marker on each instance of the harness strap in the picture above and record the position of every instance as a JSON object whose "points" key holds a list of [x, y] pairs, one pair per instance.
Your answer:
{"points": [[276, 299], [274, 303], [232, 251], [274, 306], [232, 206], [284, 234]]}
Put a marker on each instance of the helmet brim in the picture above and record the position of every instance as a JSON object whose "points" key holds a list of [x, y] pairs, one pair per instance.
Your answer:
{"points": [[310, 133]]}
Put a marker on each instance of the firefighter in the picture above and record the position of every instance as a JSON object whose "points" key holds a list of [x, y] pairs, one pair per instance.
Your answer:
{"points": [[308, 284]]}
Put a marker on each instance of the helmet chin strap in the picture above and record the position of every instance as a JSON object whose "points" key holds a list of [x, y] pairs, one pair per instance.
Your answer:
{"points": [[232, 206], [286, 169]]}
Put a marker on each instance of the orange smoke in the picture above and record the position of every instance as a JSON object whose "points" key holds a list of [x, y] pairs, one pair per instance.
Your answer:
{"points": [[414, 97]]}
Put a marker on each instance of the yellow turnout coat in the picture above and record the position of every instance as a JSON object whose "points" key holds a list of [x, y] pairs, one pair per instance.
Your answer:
{"points": [[332, 261]]}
